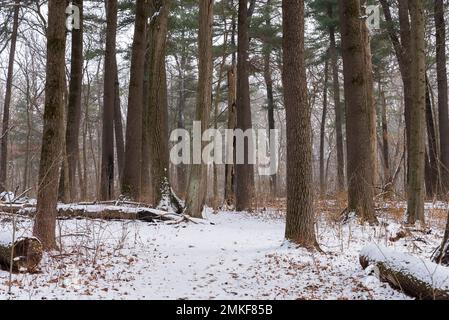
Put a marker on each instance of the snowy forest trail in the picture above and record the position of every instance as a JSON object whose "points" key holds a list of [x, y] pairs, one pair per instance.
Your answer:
{"points": [[237, 256]]}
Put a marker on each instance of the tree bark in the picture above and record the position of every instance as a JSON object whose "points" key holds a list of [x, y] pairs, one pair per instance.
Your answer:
{"points": [[145, 183], [197, 187], [323, 129], [358, 113], [415, 187], [74, 105], [118, 127], [267, 73], [107, 137], [232, 120], [230, 181], [300, 218], [181, 172], [388, 187], [337, 106], [7, 103], [370, 95], [131, 184], [52, 138], [157, 121], [244, 172], [431, 173], [443, 118], [401, 45]]}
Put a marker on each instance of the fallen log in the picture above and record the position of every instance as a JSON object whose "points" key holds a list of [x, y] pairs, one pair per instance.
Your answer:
{"points": [[115, 213], [415, 277], [112, 212], [100, 211], [27, 254], [14, 207]]}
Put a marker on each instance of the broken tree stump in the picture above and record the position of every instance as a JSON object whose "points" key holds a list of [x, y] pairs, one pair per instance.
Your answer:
{"points": [[415, 277], [27, 254]]}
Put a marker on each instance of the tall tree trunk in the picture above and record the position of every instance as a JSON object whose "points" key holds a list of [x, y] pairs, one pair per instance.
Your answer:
{"points": [[52, 138], [133, 155], [370, 95], [85, 133], [74, 105], [107, 137], [358, 113], [415, 188], [232, 120], [197, 187], [267, 73], [401, 45], [157, 134], [385, 143], [431, 176], [216, 105], [323, 129], [145, 184], [26, 169], [245, 171], [337, 105], [230, 181], [118, 127], [442, 94], [6, 107], [300, 218], [181, 172]]}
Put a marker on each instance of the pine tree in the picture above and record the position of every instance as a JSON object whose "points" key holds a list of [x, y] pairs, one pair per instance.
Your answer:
{"points": [[358, 114], [52, 138], [300, 218], [107, 153], [197, 187], [74, 104], [416, 151], [7, 103], [131, 184]]}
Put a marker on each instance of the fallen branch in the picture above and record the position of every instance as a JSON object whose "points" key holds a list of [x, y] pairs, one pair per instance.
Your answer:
{"points": [[415, 277]]}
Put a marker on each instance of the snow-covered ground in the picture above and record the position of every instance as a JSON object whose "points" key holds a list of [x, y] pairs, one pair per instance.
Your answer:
{"points": [[235, 256]]}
